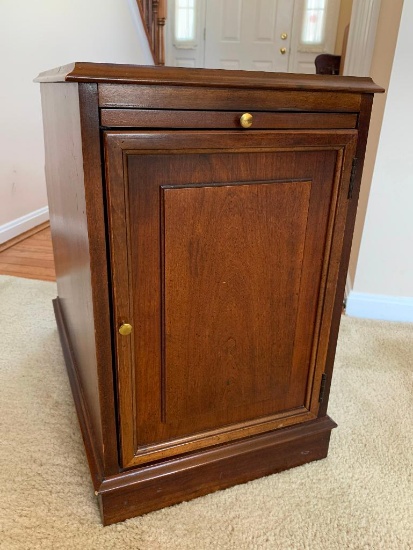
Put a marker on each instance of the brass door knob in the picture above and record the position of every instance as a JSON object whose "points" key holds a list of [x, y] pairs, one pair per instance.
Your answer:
{"points": [[125, 329], [283, 51], [284, 36], [246, 120]]}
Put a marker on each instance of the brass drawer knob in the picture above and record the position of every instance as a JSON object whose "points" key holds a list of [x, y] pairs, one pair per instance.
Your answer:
{"points": [[246, 120], [125, 329], [283, 51]]}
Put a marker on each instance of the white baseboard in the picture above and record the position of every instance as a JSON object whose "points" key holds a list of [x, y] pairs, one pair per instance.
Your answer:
{"points": [[377, 306], [20, 225]]}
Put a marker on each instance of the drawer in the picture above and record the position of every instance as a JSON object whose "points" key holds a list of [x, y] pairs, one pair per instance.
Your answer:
{"points": [[218, 99], [143, 118]]}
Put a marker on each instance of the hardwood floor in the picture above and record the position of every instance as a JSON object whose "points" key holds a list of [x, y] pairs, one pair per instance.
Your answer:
{"points": [[31, 258]]}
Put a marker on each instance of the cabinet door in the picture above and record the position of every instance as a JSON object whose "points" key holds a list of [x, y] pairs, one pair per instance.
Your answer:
{"points": [[225, 249]]}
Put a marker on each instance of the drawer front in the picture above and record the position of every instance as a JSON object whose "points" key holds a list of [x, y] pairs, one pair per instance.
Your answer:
{"points": [[156, 118], [185, 97]]}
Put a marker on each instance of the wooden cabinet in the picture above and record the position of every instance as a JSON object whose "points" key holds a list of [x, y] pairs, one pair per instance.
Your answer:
{"points": [[201, 268]]}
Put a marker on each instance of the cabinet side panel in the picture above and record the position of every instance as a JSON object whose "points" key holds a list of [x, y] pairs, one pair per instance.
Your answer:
{"points": [[68, 219]]}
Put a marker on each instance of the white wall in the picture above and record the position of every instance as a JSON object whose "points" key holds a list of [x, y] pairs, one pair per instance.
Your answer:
{"points": [[383, 285], [36, 36]]}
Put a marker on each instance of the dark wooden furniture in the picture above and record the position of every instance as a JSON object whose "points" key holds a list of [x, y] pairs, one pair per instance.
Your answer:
{"points": [[201, 265], [326, 63]]}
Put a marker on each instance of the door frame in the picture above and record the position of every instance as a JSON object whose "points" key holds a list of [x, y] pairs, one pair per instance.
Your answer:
{"points": [[362, 37], [359, 54]]}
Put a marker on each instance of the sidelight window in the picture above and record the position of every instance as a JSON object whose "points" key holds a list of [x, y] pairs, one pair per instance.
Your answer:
{"points": [[314, 19], [185, 20]]}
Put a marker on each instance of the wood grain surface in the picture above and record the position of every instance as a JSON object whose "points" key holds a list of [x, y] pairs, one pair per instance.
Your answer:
{"points": [[169, 294], [157, 118], [225, 249], [144, 74], [31, 258]]}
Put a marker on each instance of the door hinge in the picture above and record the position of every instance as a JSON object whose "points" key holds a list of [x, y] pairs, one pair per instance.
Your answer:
{"points": [[352, 178], [322, 387]]}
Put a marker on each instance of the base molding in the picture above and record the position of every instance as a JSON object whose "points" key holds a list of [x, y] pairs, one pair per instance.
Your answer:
{"points": [[21, 225], [381, 307], [156, 486], [95, 465]]}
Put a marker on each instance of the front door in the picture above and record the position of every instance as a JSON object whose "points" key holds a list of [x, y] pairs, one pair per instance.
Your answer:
{"points": [[258, 35], [248, 34]]}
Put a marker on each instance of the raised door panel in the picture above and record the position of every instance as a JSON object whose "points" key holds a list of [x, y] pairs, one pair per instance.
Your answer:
{"points": [[223, 270], [233, 259]]}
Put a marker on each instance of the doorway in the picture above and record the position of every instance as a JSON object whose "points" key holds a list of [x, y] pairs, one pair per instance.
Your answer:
{"points": [[263, 35]]}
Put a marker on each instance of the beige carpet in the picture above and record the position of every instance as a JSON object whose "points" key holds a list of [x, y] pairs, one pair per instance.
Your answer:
{"points": [[360, 497]]}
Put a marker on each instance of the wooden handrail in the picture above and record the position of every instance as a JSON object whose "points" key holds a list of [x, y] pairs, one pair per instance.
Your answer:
{"points": [[153, 13]]}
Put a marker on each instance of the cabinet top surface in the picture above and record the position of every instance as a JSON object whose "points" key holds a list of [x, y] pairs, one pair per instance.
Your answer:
{"points": [[178, 76]]}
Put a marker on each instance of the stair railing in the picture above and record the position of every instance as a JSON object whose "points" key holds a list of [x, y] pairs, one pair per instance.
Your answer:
{"points": [[153, 13]]}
